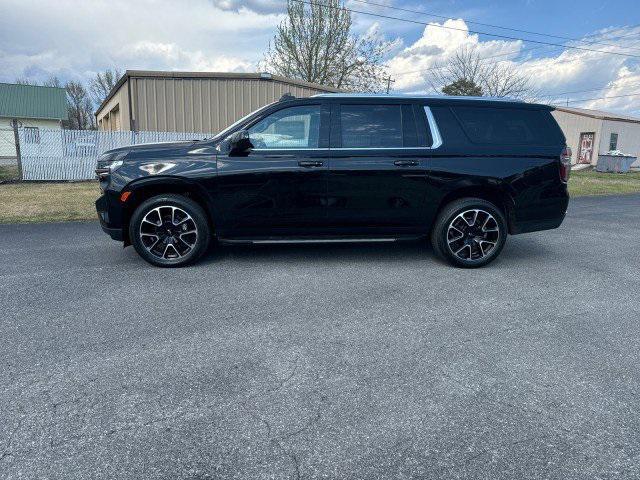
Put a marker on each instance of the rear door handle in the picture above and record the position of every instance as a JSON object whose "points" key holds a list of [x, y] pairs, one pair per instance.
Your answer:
{"points": [[406, 163], [310, 163]]}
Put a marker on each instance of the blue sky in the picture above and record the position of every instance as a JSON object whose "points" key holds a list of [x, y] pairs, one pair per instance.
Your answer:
{"points": [[570, 18], [78, 38]]}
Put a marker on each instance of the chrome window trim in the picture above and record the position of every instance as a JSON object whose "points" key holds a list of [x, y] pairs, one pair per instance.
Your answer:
{"points": [[340, 148], [433, 126], [431, 121]]}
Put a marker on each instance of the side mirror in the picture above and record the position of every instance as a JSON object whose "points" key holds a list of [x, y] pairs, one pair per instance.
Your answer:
{"points": [[238, 143]]}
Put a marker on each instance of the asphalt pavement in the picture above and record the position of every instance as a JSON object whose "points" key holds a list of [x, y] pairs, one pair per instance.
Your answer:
{"points": [[331, 361]]}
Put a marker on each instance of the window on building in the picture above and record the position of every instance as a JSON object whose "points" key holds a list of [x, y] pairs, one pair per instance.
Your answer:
{"points": [[613, 142], [371, 126], [31, 135], [293, 127]]}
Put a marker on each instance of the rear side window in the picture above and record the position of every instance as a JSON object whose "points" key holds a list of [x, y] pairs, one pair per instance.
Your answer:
{"points": [[506, 126], [371, 126]]}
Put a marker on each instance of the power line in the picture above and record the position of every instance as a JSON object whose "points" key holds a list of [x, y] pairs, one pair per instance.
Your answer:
{"points": [[493, 26], [597, 98], [506, 37], [589, 90], [440, 67], [518, 52]]}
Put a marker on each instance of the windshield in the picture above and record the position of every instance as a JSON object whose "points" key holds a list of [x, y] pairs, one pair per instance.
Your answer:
{"points": [[224, 132]]}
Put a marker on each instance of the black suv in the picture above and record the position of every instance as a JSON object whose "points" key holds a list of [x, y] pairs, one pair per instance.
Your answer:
{"points": [[336, 167]]}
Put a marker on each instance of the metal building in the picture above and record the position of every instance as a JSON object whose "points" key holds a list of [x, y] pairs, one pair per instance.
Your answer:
{"points": [[593, 133], [192, 101]]}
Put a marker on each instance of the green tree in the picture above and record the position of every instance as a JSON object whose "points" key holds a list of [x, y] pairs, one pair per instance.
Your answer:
{"points": [[463, 87]]}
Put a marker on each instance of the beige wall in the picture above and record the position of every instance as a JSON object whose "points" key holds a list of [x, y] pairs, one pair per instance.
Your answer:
{"points": [[573, 125], [628, 137], [7, 140], [115, 114], [202, 104]]}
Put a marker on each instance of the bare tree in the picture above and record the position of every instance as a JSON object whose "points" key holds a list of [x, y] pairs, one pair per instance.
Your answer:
{"points": [[103, 83], [502, 80], [25, 81], [52, 81], [495, 79], [315, 44], [80, 107]]}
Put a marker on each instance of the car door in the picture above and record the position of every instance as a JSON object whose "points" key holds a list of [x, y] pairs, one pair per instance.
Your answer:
{"points": [[377, 175], [279, 187]]}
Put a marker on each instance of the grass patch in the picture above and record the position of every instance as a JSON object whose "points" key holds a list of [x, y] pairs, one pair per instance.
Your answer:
{"points": [[8, 172], [48, 202], [58, 202], [595, 183]]}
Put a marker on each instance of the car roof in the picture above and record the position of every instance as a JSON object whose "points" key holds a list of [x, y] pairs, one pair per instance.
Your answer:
{"points": [[432, 99]]}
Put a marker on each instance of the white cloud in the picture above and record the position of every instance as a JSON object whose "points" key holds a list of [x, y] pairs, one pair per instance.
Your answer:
{"points": [[569, 70], [74, 39], [410, 67], [260, 6]]}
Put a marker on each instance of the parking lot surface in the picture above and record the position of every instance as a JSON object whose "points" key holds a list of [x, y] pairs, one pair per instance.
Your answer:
{"points": [[323, 361]]}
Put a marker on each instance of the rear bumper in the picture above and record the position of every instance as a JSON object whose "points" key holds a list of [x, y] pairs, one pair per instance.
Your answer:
{"points": [[545, 216], [106, 219]]}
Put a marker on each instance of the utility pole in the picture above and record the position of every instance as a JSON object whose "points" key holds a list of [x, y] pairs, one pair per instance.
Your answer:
{"points": [[389, 81], [16, 137]]}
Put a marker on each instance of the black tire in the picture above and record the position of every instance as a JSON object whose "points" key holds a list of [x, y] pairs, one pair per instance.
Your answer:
{"points": [[179, 240], [454, 239]]}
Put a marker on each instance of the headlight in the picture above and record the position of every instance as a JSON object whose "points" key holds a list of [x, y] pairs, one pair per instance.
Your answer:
{"points": [[157, 168], [109, 163], [113, 166]]}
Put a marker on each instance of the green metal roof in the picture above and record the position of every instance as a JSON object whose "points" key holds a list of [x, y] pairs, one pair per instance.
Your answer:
{"points": [[31, 101]]}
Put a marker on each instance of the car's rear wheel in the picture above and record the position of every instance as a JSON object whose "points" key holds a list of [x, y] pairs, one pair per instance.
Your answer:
{"points": [[469, 232], [169, 231]]}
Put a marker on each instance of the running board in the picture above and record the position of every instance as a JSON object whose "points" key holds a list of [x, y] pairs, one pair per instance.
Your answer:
{"points": [[271, 241], [327, 240]]}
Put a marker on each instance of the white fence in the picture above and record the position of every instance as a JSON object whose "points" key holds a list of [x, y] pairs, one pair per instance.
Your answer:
{"points": [[49, 154]]}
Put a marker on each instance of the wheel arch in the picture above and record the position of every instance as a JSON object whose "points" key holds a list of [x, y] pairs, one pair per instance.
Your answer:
{"points": [[145, 188], [490, 193]]}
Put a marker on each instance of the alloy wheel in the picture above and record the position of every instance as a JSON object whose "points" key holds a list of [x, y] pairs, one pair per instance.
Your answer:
{"points": [[168, 232], [473, 234]]}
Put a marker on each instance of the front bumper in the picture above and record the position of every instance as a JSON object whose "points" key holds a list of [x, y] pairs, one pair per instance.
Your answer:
{"points": [[106, 222]]}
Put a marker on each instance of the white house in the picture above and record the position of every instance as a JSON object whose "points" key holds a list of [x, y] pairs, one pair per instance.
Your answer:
{"points": [[29, 107]]}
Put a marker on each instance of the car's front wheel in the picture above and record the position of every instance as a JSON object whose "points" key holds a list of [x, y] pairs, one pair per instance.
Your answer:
{"points": [[469, 232], [169, 230]]}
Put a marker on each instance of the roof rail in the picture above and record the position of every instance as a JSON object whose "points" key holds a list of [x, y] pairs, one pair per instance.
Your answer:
{"points": [[401, 95], [287, 97]]}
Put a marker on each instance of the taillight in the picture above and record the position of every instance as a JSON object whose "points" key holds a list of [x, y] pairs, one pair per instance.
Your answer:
{"points": [[565, 164]]}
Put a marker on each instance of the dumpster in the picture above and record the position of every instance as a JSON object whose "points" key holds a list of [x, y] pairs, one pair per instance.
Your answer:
{"points": [[615, 163]]}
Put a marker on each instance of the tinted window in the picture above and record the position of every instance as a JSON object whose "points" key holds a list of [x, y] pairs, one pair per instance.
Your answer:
{"points": [[371, 126], [510, 126], [293, 127]]}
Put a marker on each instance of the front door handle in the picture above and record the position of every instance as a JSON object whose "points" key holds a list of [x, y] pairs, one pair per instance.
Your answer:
{"points": [[406, 163], [310, 163]]}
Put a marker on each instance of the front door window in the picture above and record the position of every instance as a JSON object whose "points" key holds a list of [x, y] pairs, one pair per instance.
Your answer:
{"points": [[289, 128]]}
